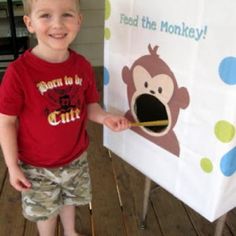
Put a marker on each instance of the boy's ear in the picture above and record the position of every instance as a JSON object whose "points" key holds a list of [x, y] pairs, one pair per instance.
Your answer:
{"points": [[80, 19], [28, 23]]}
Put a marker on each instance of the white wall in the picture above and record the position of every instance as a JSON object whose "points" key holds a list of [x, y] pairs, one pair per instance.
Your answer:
{"points": [[89, 42]]}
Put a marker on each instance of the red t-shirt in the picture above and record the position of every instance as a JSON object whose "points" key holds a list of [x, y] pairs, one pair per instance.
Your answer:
{"points": [[50, 101]]}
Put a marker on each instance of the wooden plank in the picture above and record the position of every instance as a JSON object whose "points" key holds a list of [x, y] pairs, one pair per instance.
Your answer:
{"points": [[90, 4], [93, 18], [98, 71], [83, 220], [92, 51], [59, 228], [131, 187], [30, 228], [89, 35], [89, 41], [11, 219], [203, 226], [3, 171], [171, 214], [231, 221], [106, 211]]}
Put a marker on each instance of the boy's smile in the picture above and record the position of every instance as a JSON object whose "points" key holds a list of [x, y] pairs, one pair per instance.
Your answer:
{"points": [[58, 36]]}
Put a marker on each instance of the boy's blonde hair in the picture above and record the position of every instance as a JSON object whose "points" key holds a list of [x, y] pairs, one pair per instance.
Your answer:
{"points": [[28, 3]]}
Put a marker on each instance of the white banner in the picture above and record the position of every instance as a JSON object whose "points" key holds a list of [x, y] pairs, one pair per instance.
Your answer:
{"points": [[176, 62]]}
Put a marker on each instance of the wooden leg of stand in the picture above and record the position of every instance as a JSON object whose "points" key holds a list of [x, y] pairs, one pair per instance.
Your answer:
{"points": [[220, 225], [147, 189]]}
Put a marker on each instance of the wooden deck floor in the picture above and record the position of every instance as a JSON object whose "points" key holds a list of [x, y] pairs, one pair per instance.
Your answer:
{"points": [[117, 203]]}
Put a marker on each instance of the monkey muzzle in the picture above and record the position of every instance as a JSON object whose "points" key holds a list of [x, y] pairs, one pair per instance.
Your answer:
{"points": [[150, 108]]}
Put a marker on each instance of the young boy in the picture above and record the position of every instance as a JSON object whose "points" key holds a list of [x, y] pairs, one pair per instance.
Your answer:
{"points": [[46, 96]]}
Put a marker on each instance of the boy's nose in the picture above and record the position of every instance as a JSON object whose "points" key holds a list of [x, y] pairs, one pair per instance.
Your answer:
{"points": [[57, 22]]}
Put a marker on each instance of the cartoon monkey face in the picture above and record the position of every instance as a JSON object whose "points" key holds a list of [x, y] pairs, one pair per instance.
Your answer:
{"points": [[154, 95], [150, 99]]}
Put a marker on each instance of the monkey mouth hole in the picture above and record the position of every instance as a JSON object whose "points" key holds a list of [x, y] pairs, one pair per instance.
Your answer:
{"points": [[150, 108]]}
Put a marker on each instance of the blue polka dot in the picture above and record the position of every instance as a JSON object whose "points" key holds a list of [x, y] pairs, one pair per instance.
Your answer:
{"points": [[227, 70], [106, 76], [228, 162]]}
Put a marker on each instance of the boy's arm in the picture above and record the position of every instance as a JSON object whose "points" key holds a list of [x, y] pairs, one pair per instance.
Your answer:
{"points": [[114, 122], [8, 141]]}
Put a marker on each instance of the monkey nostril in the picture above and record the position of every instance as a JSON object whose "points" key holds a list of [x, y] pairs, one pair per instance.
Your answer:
{"points": [[159, 90], [152, 92]]}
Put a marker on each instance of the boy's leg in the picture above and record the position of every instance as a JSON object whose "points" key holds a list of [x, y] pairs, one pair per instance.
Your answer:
{"points": [[41, 203], [47, 227], [76, 191], [67, 216]]}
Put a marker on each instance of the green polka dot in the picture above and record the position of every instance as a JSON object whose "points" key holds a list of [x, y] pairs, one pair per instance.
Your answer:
{"points": [[224, 131], [206, 165], [107, 34], [107, 9]]}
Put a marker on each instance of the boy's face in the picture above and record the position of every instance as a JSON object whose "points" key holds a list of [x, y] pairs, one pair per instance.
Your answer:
{"points": [[55, 23]]}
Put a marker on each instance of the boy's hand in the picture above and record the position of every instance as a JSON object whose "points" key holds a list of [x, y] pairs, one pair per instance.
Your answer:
{"points": [[18, 179], [116, 123]]}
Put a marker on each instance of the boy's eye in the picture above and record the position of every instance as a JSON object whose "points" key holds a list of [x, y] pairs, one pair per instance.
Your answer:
{"points": [[67, 15], [45, 15]]}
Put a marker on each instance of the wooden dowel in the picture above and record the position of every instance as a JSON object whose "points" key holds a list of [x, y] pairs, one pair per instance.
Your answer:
{"points": [[151, 123]]}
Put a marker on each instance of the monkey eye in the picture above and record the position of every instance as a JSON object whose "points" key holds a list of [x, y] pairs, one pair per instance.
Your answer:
{"points": [[146, 84], [160, 90]]}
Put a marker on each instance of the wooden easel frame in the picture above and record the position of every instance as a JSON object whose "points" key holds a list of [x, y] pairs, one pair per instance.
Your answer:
{"points": [[147, 189]]}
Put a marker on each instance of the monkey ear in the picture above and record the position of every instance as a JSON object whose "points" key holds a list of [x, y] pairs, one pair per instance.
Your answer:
{"points": [[183, 97], [126, 74]]}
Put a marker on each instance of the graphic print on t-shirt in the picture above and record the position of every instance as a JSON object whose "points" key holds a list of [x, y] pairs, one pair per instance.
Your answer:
{"points": [[62, 95]]}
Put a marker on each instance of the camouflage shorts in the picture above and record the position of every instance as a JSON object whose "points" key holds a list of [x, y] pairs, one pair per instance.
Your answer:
{"points": [[53, 188]]}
